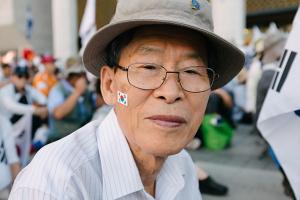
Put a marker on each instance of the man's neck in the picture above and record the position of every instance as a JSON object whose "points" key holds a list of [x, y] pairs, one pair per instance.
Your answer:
{"points": [[149, 167], [49, 72], [20, 90]]}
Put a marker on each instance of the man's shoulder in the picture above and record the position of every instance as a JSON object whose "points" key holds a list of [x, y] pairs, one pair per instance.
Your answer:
{"points": [[57, 86], [55, 90], [38, 76], [57, 165], [78, 147], [8, 87], [81, 144]]}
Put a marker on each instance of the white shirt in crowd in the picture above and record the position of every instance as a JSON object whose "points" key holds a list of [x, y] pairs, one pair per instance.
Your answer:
{"points": [[254, 75], [8, 153], [95, 162], [9, 104]]}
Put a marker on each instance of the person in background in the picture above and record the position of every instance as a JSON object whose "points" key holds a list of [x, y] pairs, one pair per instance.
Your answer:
{"points": [[6, 74], [9, 161], [273, 48], [221, 102], [19, 101], [208, 185], [253, 77], [70, 104], [18, 97], [45, 80]]}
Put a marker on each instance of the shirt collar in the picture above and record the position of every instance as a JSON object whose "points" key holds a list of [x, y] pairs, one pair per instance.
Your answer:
{"points": [[120, 173], [170, 179]]}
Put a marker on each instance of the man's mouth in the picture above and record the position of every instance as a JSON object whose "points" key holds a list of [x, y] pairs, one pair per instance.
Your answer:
{"points": [[167, 120]]}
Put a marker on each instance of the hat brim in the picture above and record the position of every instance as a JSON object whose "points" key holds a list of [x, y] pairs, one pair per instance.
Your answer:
{"points": [[228, 59]]}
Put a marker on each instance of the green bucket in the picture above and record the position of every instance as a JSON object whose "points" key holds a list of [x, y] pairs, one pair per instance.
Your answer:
{"points": [[217, 133]]}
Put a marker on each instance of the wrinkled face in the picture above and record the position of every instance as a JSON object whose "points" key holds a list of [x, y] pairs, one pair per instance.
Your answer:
{"points": [[161, 121]]}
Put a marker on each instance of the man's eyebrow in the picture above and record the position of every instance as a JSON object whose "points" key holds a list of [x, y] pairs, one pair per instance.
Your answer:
{"points": [[149, 49], [193, 55]]}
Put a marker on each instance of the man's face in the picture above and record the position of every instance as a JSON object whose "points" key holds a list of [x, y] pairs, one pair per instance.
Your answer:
{"points": [[7, 72], [75, 77], [50, 67], [162, 121], [19, 81]]}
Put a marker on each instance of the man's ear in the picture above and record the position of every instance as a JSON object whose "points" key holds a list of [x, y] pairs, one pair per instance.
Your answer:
{"points": [[107, 77]]}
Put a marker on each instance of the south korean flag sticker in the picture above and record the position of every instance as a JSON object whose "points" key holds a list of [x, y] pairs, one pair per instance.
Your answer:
{"points": [[122, 98]]}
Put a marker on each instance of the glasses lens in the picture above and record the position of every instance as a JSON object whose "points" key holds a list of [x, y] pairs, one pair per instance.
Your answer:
{"points": [[146, 76], [151, 76], [196, 79]]}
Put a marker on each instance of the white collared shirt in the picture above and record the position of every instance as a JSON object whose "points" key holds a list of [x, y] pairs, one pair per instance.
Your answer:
{"points": [[95, 162]]}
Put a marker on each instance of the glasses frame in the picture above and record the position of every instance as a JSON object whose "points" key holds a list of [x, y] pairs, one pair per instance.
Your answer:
{"points": [[126, 69]]}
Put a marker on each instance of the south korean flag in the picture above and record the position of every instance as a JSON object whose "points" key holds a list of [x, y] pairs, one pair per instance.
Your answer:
{"points": [[279, 119]]}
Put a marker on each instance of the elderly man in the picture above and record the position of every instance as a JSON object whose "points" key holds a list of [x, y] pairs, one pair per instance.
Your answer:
{"points": [[157, 61]]}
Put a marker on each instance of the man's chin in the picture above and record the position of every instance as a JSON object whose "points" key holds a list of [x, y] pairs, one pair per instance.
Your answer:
{"points": [[163, 151]]}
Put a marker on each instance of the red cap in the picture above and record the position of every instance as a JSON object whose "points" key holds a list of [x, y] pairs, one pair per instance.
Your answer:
{"points": [[48, 59], [28, 54]]}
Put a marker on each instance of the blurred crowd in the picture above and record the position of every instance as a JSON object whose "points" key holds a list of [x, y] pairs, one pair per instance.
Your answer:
{"points": [[241, 100], [43, 99]]}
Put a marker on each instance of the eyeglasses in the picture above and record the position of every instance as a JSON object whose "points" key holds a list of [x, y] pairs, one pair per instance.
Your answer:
{"points": [[149, 76]]}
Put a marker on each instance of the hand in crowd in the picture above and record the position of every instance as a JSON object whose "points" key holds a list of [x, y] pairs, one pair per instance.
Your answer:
{"points": [[81, 85], [41, 112]]}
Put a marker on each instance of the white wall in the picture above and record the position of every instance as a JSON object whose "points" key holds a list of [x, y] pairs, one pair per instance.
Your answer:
{"points": [[6, 12], [230, 19], [64, 24], [54, 24], [42, 26]]}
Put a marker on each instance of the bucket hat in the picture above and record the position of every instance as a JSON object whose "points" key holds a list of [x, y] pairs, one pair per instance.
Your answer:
{"points": [[271, 40], [196, 15], [74, 69]]}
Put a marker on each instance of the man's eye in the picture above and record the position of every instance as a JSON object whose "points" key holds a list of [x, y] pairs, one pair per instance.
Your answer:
{"points": [[190, 71], [149, 67]]}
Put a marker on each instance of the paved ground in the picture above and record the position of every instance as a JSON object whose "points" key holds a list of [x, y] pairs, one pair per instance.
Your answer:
{"points": [[240, 167]]}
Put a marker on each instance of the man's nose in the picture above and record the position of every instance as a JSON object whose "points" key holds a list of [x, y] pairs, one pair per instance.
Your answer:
{"points": [[170, 91]]}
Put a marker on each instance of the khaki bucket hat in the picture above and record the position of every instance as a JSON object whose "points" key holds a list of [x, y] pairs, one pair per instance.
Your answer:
{"points": [[191, 14]]}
